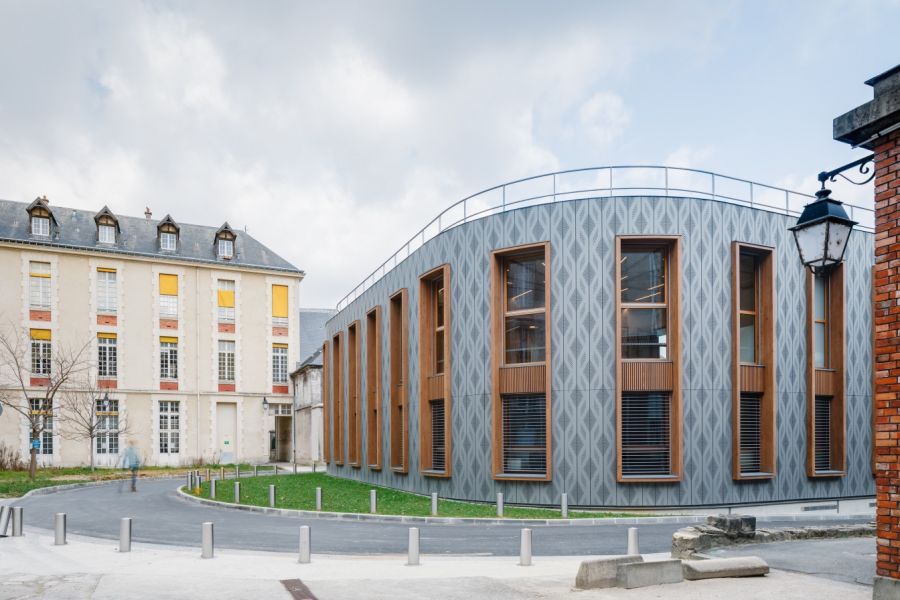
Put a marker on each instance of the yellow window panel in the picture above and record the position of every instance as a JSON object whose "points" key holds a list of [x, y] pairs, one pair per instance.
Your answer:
{"points": [[168, 340], [40, 334], [105, 270], [226, 298], [280, 301], [279, 345], [168, 284], [106, 336]]}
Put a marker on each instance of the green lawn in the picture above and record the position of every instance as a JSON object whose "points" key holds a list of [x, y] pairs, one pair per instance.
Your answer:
{"points": [[344, 495], [16, 483]]}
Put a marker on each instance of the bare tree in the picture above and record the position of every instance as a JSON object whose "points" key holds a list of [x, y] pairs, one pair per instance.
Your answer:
{"points": [[87, 413], [55, 366]]}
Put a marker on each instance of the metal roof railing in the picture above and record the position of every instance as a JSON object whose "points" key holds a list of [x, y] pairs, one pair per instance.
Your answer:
{"points": [[604, 182]]}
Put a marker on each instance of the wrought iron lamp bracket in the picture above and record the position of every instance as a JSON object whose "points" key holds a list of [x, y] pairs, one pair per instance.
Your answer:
{"points": [[864, 169]]}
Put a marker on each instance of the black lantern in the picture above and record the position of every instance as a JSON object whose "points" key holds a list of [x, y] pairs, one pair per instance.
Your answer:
{"points": [[265, 405], [822, 232]]}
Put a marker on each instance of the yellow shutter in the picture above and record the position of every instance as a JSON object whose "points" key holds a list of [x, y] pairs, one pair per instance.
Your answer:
{"points": [[105, 270], [279, 345], [226, 298], [280, 301], [168, 284], [39, 269], [106, 336], [40, 334], [168, 340]]}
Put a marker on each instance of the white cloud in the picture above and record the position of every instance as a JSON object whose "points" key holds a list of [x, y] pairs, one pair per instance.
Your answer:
{"points": [[604, 117], [689, 157]]}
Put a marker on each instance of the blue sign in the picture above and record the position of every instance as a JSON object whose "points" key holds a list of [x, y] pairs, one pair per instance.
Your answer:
{"points": [[36, 444]]}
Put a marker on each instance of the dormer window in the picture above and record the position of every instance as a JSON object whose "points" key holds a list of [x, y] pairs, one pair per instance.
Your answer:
{"points": [[168, 241], [224, 242], [167, 231], [226, 248], [107, 226], [106, 234], [40, 226], [41, 218]]}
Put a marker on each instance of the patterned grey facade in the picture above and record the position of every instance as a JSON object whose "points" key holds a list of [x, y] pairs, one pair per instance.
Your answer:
{"points": [[582, 237]]}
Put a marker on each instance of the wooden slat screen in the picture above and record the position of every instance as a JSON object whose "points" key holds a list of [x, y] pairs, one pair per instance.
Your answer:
{"points": [[646, 435], [438, 448], [822, 433], [524, 433], [751, 433]]}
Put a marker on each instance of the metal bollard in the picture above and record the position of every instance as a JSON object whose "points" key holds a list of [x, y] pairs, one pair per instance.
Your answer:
{"points": [[633, 541], [208, 541], [237, 492], [499, 504], [434, 504], [295, 468], [413, 553], [256, 470], [318, 498], [5, 513], [314, 468], [237, 471], [17, 518], [190, 480], [125, 534], [564, 506], [199, 483], [212, 489], [525, 548], [59, 530], [373, 502], [304, 544], [208, 475], [221, 472], [272, 495]]}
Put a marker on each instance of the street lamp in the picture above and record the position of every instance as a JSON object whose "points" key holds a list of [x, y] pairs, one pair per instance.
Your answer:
{"points": [[265, 405], [822, 232]]}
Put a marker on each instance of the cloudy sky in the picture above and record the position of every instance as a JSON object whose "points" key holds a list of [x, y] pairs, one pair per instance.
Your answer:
{"points": [[333, 130]]}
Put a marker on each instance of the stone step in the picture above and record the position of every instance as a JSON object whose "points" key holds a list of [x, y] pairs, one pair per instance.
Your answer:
{"points": [[602, 572], [738, 566], [643, 574]]}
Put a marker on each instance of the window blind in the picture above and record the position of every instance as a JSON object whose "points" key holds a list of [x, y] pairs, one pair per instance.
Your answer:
{"points": [[40, 334], [280, 301], [168, 284], [524, 443], [438, 447], [822, 433], [750, 433], [646, 435]]}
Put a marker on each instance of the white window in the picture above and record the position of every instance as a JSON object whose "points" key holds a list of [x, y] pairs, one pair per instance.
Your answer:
{"points": [[107, 357], [107, 291], [168, 306], [168, 427], [40, 226], [226, 301], [282, 410], [39, 285], [167, 241], [43, 409], [107, 426], [226, 248], [107, 234], [40, 357], [168, 360], [226, 361], [279, 364]]}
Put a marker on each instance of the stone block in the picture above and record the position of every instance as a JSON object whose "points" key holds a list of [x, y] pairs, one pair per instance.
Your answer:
{"points": [[885, 588], [602, 573], [734, 526], [739, 566], [643, 574]]}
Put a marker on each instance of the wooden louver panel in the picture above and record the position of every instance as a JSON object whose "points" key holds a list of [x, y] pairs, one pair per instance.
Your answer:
{"points": [[646, 435], [647, 376], [751, 433], [530, 379], [524, 434]]}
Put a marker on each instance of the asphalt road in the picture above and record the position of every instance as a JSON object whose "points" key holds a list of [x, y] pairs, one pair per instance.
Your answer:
{"points": [[162, 517]]}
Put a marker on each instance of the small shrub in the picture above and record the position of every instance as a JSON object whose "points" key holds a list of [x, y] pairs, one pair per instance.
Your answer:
{"points": [[10, 459]]}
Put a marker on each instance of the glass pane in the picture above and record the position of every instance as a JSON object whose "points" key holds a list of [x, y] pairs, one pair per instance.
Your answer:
{"points": [[644, 333], [820, 340], [643, 275], [439, 309], [748, 282], [748, 339], [524, 283], [820, 298], [525, 339], [439, 352]]}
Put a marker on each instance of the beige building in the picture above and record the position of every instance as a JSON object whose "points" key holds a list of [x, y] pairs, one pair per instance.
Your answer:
{"points": [[307, 384], [190, 330]]}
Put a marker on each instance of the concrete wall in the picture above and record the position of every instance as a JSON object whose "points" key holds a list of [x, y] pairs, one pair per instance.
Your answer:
{"points": [[74, 323], [308, 416], [582, 235]]}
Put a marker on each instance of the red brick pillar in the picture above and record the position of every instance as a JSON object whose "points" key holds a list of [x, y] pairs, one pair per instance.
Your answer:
{"points": [[876, 126]]}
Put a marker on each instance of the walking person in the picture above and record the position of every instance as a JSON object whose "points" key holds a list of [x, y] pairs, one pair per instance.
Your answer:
{"points": [[131, 460]]}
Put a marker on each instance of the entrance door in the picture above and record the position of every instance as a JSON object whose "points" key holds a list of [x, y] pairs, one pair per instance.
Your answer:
{"points": [[226, 430], [283, 426]]}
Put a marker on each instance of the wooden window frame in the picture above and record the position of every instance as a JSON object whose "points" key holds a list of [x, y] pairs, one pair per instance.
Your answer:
{"points": [[518, 378], [758, 377], [337, 391], [326, 403], [434, 386], [652, 375], [354, 403], [398, 341], [828, 381], [373, 389]]}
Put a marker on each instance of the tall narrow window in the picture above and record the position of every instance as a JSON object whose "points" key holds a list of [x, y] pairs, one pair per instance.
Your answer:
{"points": [[168, 241], [279, 306], [107, 412], [41, 353], [40, 226], [226, 361], [106, 234], [354, 445], [326, 403], [225, 300], [39, 285], [648, 373], [825, 376], [398, 331], [225, 248], [42, 408], [168, 296], [279, 363], [107, 355], [373, 388], [753, 448], [435, 383], [107, 291], [337, 395], [521, 360], [168, 358], [169, 427]]}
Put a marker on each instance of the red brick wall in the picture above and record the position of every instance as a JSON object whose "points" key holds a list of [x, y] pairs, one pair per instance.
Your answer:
{"points": [[887, 353]]}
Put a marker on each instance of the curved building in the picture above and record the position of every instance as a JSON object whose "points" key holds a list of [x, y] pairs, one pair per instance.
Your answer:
{"points": [[656, 342]]}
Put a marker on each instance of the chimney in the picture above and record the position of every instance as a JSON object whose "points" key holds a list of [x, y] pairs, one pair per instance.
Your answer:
{"points": [[147, 213]]}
